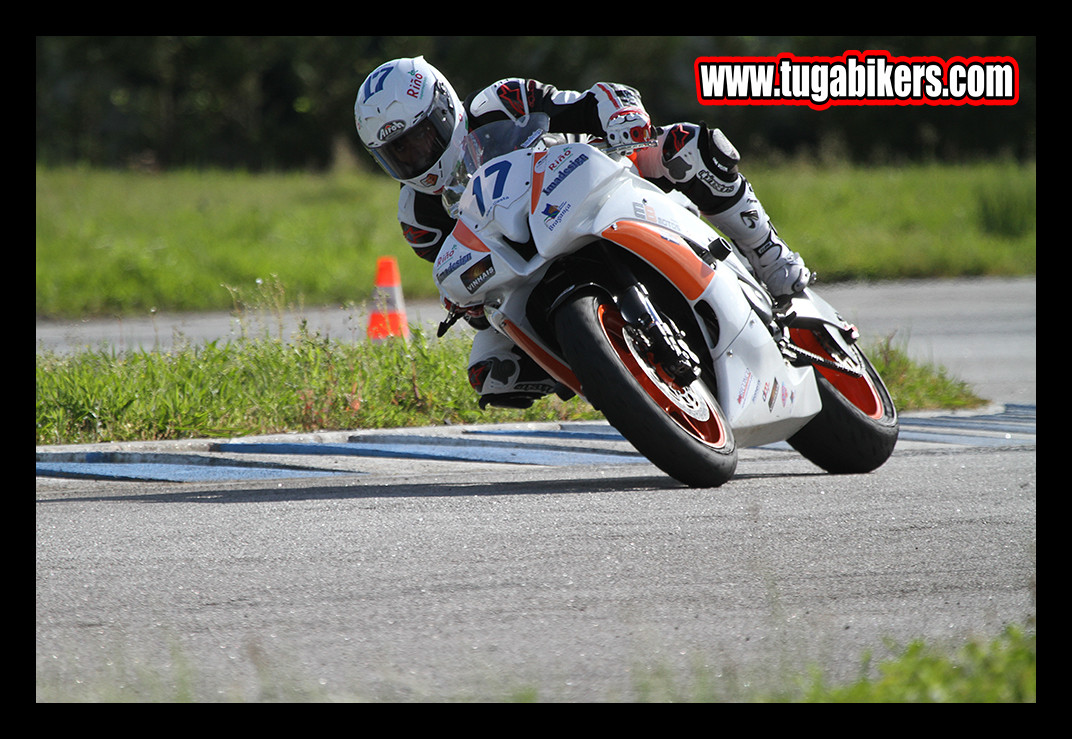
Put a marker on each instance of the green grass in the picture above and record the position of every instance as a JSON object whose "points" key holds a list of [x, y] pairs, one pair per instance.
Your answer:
{"points": [[263, 386], [122, 243], [905, 222], [128, 243], [998, 670], [919, 386], [1001, 670]]}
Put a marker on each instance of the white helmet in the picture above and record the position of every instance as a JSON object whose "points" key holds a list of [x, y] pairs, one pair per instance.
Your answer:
{"points": [[412, 122]]}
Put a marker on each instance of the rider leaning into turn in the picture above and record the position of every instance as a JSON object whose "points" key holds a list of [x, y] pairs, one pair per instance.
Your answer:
{"points": [[412, 123]]}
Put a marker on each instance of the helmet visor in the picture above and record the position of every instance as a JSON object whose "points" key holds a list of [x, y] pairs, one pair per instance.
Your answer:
{"points": [[417, 149]]}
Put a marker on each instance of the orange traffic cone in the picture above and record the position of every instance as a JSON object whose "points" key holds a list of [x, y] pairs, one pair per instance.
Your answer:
{"points": [[388, 317]]}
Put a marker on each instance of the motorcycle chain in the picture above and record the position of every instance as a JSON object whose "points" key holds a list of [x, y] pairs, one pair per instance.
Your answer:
{"points": [[815, 359]]}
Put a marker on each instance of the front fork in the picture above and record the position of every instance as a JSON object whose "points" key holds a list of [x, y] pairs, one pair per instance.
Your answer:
{"points": [[657, 338]]}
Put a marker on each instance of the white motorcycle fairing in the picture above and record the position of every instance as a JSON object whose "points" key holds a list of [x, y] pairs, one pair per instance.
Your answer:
{"points": [[522, 211]]}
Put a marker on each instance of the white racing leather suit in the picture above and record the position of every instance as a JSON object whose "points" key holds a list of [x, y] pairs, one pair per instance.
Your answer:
{"points": [[697, 161]]}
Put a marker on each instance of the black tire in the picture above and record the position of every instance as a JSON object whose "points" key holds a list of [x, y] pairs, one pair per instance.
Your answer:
{"points": [[857, 428], [683, 431]]}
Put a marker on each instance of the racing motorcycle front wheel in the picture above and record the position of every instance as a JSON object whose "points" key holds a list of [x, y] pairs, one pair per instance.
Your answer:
{"points": [[857, 428], [679, 427]]}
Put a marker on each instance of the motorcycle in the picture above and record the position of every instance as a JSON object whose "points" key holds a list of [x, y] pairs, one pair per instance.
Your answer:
{"points": [[634, 303]]}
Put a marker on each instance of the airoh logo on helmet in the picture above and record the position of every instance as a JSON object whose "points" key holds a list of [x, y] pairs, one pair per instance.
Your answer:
{"points": [[389, 129]]}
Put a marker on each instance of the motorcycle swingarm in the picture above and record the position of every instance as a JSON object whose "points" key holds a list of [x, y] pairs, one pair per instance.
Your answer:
{"points": [[811, 313]]}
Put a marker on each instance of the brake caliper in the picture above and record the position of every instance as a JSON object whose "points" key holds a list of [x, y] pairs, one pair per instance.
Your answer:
{"points": [[658, 339]]}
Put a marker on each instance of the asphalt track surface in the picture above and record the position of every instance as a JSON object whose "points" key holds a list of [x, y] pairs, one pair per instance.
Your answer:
{"points": [[470, 563]]}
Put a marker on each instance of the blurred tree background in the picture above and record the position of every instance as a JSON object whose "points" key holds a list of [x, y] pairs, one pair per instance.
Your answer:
{"points": [[286, 102]]}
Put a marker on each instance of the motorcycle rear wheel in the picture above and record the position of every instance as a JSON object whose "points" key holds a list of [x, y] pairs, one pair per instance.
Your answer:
{"points": [[857, 428], [682, 430]]}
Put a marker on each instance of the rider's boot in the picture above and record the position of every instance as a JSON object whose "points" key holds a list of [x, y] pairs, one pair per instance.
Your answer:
{"points": [[702, 164], [506, 377], [748, 226]]}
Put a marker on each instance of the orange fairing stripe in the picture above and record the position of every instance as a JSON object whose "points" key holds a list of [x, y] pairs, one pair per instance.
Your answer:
{"points": [[467, 238], [549, 362], [666, 253], [537, 181]]}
